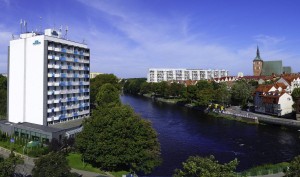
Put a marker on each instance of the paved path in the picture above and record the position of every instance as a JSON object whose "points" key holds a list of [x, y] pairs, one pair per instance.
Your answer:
{"points": [[28, 165], [281, 174]]}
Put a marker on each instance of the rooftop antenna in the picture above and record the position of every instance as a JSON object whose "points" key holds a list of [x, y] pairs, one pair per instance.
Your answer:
{"points": [[21, 25], [25, 25], [41, 25], [66, 35]]}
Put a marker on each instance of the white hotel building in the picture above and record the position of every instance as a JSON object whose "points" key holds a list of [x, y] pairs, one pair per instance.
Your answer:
{"points": [[48, 79], [164, 74]]}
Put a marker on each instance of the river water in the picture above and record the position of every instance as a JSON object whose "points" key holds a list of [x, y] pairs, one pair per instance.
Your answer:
{"points": [[183, 132]]}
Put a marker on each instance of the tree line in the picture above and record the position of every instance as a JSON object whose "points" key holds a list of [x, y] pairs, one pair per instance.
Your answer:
{"points": [[3, 96], [202, 93]]}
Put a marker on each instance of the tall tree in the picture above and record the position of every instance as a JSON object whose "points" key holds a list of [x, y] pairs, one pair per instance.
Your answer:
{"points": [[196, 166], [8, 165], [108, 95], [241, 93], [190, 93], [100, 80], [3, 96], [119, 139], [52, 164]]}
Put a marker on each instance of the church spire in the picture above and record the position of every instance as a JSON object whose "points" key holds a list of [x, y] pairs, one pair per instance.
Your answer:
{"points": [[257, 55]]}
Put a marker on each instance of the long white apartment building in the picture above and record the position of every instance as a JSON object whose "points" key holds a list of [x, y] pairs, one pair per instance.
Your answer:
{"points": [[164, 74], [48, 79]]}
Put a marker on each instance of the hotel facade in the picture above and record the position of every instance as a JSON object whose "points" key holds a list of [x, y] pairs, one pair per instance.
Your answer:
{"points": [[167, 74], [48, 79]]}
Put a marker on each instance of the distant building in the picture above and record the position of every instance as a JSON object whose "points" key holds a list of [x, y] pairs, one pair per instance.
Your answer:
{"points": [[273, 99], [94, 74], [165, 74], [268, 68]]}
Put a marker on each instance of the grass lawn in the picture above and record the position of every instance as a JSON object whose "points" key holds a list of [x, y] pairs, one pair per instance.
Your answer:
{"points": [[266, 169], [74, 160]]}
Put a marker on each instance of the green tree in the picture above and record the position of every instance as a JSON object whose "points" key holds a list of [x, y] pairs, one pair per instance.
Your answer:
{"points": [[196, 166], [100, 80], [222, 94], [52, 164], [204, 97], [203, 84], [108, 95], [190, 93], [3, 96], [133, 86], [8, 166], [241, 93], [119, 139], [175, 89], [294, 168], [145, 88], [296, 94]]}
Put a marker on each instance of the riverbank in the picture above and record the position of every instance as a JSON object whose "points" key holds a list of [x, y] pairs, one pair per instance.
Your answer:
{"points": [[236, 114]]}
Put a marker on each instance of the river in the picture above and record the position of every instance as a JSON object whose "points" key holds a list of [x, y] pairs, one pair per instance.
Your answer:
{"points": [[184, 132]]}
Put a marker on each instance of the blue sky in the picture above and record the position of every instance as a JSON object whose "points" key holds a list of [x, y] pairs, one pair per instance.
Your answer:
{"points": [[126, 37]]}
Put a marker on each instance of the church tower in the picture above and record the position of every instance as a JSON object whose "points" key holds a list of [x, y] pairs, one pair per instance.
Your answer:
{"points": [[257, 64]]}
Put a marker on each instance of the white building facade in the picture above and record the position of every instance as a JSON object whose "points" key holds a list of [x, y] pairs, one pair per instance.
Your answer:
{"points": [[163, 74], [48, 79]]}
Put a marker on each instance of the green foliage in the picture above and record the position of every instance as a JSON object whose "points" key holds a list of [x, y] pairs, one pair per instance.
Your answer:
{"points": [[296, 94], [8, 166], [3, 96], [294, 168], [52, 164], [190, 93], [204, 97], [265, 169], [222, 94], [100, 80], [108, 96], [241, 93], [133, 86], [196, 166], [117, 139]]}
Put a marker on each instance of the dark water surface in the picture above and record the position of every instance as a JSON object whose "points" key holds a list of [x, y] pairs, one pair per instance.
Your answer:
{"points": [[184, 132]]}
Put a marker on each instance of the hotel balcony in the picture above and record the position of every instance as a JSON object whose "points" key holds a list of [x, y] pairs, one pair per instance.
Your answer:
{"points": [[57, 66], [56, 109], [51, 57], [49, 110], [64, 67], [57, 49], [56, 117], [62, 58], [86, 54], [63, 100], [50, 101], [50, 47], [57, 100], [49, 119], [83, 112], [50, 65], [70, 59], [56, 57]]}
